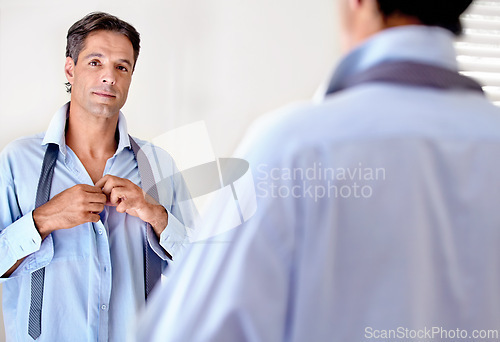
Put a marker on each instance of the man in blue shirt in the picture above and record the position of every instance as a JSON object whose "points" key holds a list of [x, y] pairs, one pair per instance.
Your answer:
{"points": [[378, 210], [78, 266]]}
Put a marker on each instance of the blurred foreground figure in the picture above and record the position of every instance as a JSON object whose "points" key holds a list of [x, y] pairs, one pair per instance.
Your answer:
{"points": [[378, 207]]}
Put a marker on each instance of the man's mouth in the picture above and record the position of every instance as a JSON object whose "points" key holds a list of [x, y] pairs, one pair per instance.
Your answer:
{"points": [[104, 94]]}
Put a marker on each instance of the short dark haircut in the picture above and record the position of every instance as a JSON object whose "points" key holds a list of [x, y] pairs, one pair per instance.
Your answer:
{"points": [[98, 21], [443, 13]]}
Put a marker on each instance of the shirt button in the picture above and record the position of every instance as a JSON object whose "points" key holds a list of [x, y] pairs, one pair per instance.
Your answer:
{"points": [[103, 307], [100, 231]]}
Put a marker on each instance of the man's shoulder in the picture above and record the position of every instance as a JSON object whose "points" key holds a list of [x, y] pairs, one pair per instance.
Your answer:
{"points": [[296, 126], [22, 144], [21, 153], [371, 113], [369, 116]]}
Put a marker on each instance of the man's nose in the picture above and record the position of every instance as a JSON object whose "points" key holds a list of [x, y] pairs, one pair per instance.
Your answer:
{"points": [[108, 76]]}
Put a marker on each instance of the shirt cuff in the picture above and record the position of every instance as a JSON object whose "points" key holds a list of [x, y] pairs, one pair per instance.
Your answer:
{"points": [[23, 237], [172, 239], [17, 241]]}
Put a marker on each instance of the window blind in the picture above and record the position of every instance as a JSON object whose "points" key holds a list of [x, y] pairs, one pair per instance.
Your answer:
{"points": [[478, 49]]}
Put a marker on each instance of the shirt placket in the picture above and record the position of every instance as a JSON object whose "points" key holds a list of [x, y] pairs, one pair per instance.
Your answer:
{"points": [[105, 279], [104, 262], [105, 274]]}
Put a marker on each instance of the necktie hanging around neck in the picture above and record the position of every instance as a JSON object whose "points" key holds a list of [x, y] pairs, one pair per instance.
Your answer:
{"points": [[152, 262], [409, 73], [38, 277]]}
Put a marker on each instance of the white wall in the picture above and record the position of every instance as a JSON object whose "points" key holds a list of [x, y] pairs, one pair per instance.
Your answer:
{"points": [[222, 61]]}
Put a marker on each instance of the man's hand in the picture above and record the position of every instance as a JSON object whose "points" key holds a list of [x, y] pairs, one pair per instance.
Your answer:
{"points": [[131, 199], [74, 206]]}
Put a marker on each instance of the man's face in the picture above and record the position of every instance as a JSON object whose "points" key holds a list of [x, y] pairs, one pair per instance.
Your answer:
{"points": [[101, 78]]}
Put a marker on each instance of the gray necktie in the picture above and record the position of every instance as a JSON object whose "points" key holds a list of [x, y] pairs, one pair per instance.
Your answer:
{"points": [[38, 277], [152, 262], [409, 73]]}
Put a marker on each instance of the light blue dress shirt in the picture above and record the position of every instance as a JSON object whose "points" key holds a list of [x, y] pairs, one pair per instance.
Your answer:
{"points": [[94, 279], [378, 208]]}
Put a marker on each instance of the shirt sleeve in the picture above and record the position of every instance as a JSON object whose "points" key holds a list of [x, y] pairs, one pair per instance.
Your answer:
{"points": [[17, 241], [182, 215], [174, 196], [172, 239], [19, 237]]}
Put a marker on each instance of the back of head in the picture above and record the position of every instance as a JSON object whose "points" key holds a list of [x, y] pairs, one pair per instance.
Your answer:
{"points": [[443, 13]]}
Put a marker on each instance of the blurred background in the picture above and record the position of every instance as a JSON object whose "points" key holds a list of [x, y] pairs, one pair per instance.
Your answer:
{"points": [[222, 61]]}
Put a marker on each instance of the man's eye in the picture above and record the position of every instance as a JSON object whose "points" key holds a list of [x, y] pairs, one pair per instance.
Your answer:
{"points": [[122, 68], [94, 63]]}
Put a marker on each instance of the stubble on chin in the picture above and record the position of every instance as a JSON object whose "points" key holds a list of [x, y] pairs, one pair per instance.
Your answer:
{"points": [[104, 111]]}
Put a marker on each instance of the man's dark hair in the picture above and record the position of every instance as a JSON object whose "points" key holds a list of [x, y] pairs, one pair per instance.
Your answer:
{"points": [[97, 21], [443, 13]]}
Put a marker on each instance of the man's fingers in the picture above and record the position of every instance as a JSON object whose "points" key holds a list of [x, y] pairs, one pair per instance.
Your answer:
{"points": [[88, 188], [87, 193], [122, 207], [96, 198], [109, 182], [74, 206], [93, 217], [117, 195], [122, 193], [101, 182], [95, 207], [127, 207]]}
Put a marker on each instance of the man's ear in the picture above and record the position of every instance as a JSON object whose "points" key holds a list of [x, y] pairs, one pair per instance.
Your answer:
{"points": [[69, 69], [355, 4]]}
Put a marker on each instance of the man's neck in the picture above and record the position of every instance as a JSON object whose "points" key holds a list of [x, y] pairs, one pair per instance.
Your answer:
{"points": [[399, 19], [92, 139], [91, 135]]}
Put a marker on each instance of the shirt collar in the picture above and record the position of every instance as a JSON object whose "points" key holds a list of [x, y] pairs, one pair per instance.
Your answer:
{"points": [[56, 132], [425, 44], [124, 140]]}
